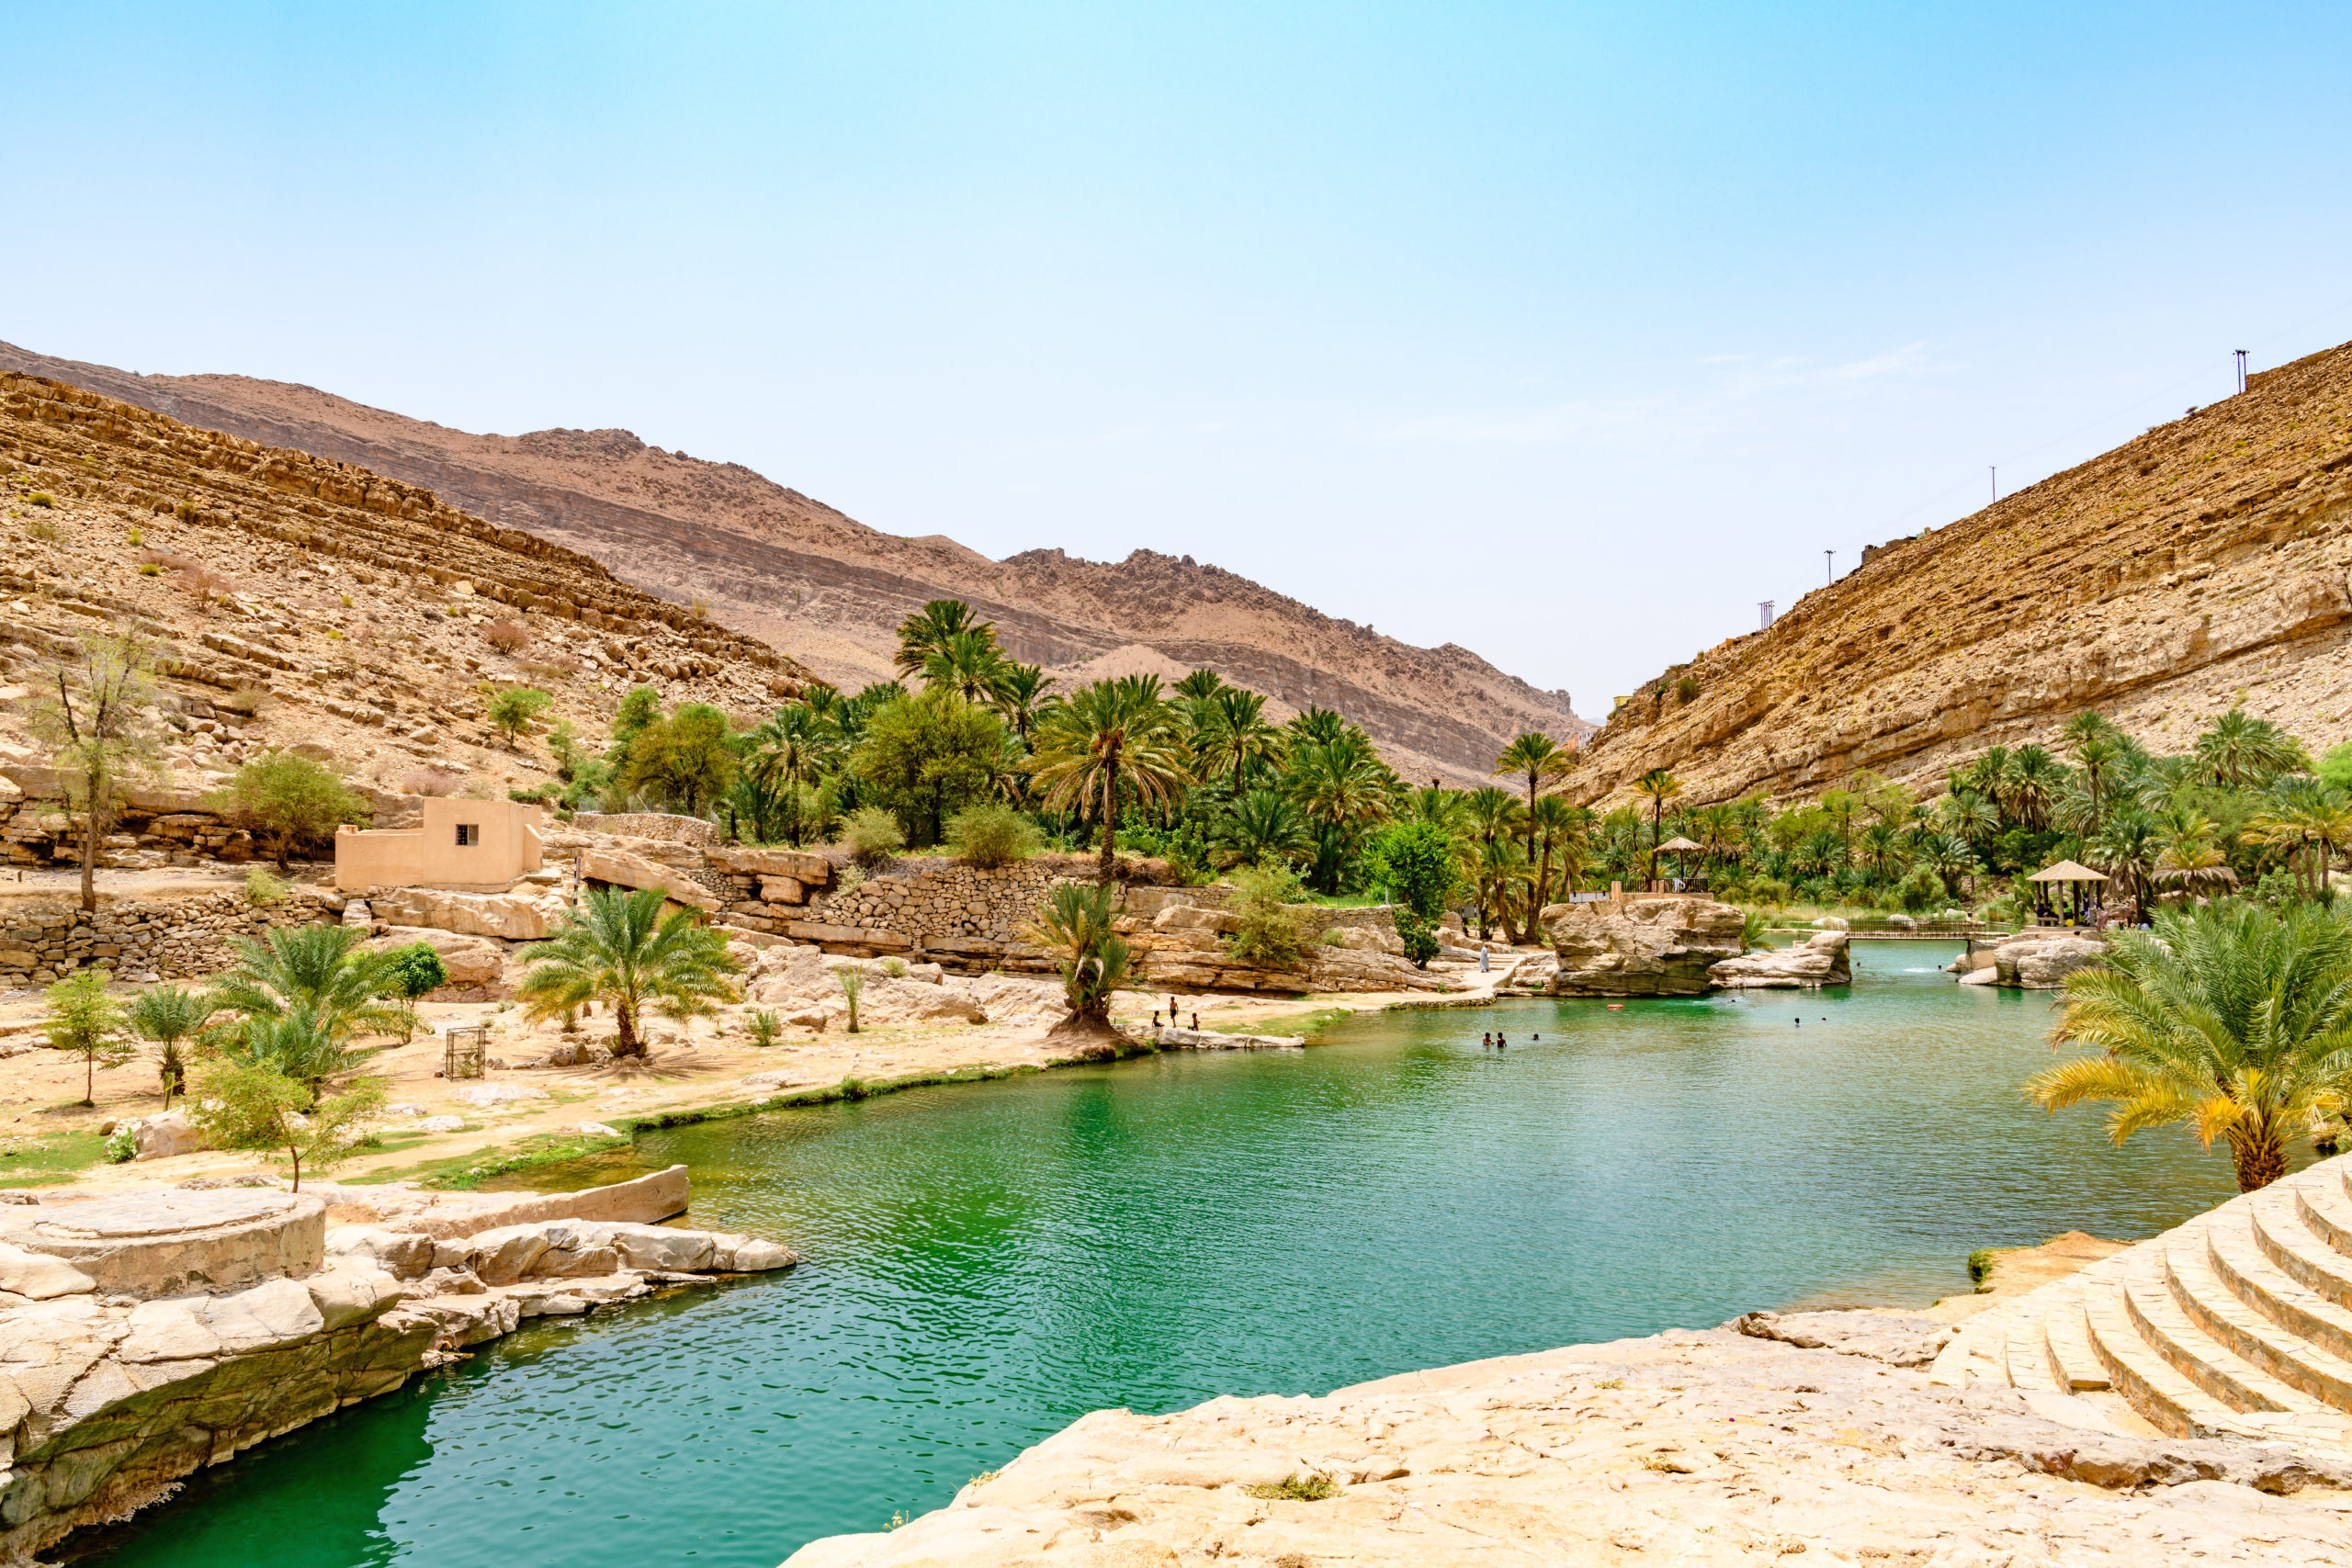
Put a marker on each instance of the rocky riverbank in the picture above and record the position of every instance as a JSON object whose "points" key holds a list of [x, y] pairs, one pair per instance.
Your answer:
{"points": [[146, 1334], [1715, 1446]]}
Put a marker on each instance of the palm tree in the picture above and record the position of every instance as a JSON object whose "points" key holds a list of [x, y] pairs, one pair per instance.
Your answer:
{"points": [[1318, 725], [168, 1017], [2237, 748], [2233, 1019], [2127, 848], [1021, 697], [927, 632], [2309, 822], [1261, 824], [299, 1044], [619, 949], [1199, 685], [1949, 856], [1552, 822], [967, 663], [1660, 786], [1536, 757], [1971, 816], [1500, 870], [319, 970], [1113, 732], [2194, 870], [1073, 923], [1234, 733], [788, 752], [2034, 778]]}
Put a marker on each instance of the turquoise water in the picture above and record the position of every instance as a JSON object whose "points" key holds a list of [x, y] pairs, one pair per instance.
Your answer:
{"points": [[988, 1263]]}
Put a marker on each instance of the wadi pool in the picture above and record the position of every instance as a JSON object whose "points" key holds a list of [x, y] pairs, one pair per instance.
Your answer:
{"points": [[986, 1262]]}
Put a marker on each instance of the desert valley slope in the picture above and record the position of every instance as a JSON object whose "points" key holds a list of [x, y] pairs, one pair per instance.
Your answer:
{"points": [[830, 592], [2201, 565]]}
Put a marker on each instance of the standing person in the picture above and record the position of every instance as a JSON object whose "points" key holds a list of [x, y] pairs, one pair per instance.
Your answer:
{"points": [[1482, 958]]}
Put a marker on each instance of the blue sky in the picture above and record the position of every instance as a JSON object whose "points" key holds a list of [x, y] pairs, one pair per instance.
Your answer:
{"points": [[1565, 332]]}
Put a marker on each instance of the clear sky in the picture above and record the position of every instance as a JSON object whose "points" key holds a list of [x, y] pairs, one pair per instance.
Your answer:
{"points": [[1566, 333]]}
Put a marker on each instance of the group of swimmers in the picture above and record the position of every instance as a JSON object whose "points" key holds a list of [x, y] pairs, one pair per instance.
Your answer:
{"points": [[1492, 1041]]}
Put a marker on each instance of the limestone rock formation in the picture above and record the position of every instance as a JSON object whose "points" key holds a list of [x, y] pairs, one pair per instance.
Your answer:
{"points": [[1648, 945], [145, 1336], [2198, 563], [2042, 964], [1702, 1449], [1819, 960], [603, 863]]}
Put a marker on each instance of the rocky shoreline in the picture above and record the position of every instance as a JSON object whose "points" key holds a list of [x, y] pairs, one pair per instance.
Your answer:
{"points": [[144, 1335]]}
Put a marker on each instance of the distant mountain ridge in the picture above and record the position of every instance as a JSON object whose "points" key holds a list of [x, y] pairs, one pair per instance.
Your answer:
{"points": [[830, 592]]}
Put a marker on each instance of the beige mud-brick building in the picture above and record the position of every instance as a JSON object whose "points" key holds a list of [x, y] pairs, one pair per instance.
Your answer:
{"points": [[470, 845]]}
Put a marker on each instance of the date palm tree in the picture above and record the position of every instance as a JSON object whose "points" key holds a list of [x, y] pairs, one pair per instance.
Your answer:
{"points": [[789, 752], [1022, 697], [1552, 823], [928, 630], [1234, 734], [169, 1017], [1261, 824], [619, 949], [1073, 924], [2238, 748], [1535, 756], [1660, 786], [1114, 733], [2233, 1019], [2127, 848], [968, 664], [319, 971]]}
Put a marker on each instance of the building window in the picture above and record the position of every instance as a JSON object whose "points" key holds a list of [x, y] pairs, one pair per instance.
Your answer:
{"points": [[469, 834]]}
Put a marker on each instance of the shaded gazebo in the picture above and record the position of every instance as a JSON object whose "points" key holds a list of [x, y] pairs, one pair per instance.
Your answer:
{"points": [[1677, 846], [2073, 884]]}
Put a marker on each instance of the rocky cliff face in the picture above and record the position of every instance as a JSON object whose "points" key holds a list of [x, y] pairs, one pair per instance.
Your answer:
{"points": [[830, 592], [2202, 564]]}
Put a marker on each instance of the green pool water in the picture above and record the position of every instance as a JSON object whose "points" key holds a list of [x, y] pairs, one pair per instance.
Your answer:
{"points": [[986, 1262]]}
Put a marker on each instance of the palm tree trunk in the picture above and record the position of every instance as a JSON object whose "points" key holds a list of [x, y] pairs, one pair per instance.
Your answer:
{"points": [[2261, 1158], [624, 1040], [1110, 821]]}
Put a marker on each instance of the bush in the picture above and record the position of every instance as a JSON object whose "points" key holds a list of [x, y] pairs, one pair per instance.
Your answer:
{"points": [[41, 498], [513, 710], [872, 835], [1686, 690], [764, 1025], [122, 1145], [429, 781], [506, 636], [1272, 926], [1921, 888], [288, 798], [990, 835], [1418, 936], [415, 970], [263, 890]]}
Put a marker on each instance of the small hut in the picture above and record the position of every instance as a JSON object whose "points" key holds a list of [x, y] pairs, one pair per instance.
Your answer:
{"points": [[1677, 847], [2072, 885]]}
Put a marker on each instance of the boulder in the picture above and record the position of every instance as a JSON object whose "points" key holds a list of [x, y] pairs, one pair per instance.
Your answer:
{"points": [[403, 1254], [742, 860], [1820, 960], [160, 1137], [491, 1094], [2042, 964], [510, 916], [1640, 947], [39, 1277], [600, 863]]}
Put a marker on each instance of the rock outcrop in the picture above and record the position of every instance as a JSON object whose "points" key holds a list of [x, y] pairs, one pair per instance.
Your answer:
{"points": [[2031, 961], [145, 1336], [1702, 1449], [1647, 945], [1819, 960], [2196, 565]]}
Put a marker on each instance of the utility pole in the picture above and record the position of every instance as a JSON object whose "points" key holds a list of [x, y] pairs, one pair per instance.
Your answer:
{"points": [[1828, 564], [1992, 474], [2240, 353], [1764, 616]]}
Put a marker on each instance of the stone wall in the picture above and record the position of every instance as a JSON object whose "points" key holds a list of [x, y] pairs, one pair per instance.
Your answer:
{"points": [[955, 913], [44, 940]]}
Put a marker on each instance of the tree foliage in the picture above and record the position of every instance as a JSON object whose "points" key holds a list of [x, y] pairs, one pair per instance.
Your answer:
{"points": [[288, 799]]}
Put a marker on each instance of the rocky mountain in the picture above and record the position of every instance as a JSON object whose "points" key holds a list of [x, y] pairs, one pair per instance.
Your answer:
{"points": [[830, 592], [297, 601], [2201, 565]]}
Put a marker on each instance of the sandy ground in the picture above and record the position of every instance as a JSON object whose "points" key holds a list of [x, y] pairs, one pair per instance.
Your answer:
{"points": [[702, 1064]]}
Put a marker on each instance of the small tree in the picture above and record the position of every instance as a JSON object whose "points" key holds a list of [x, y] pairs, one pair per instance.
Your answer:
{"points": [[288, 797], [251, 1105], [1073, 923], [852, 982], [515, 710], [85, 1021], [991, 834], [872, 835], [91, 713], [413, 972], [168, 1017], [1272, 927]]}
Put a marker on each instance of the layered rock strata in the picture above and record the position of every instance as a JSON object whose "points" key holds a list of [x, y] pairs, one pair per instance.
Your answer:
{"points": [[1702, 1449], [143, 1337]]}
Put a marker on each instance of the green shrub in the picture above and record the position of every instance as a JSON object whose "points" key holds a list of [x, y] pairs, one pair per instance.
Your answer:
{"points": [[1335, 937], [872, 835], [1686, 690], [764, 1025], [1980, 1265], [415, 970], [991, 834], [1312, 1487], [263, 890], [41, 498], [1920, 888], [1271, 926], [1420, 937], [122, 1145]]}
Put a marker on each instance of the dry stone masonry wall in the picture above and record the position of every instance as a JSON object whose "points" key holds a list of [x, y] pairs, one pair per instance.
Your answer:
{"points": [[164, 939]]}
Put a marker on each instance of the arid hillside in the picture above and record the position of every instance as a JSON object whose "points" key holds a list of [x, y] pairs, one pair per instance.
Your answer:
{"points": [[2201, 565], [310, 602], [830, 592]]}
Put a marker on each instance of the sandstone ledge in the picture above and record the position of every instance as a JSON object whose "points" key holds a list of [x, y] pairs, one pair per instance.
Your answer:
{"points": [[1685, 1447]]}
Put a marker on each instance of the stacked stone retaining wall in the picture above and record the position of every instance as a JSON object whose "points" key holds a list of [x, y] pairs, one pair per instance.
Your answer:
{"points": [[42, 940]]}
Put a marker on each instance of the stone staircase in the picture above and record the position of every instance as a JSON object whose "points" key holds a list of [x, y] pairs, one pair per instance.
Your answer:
{"points": [[2235, 1325]]}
